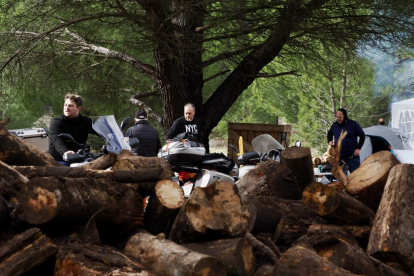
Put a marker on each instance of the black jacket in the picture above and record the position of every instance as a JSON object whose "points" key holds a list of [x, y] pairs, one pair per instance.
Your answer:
{"points": [[149, 140], [78, 127], [181, 125]]}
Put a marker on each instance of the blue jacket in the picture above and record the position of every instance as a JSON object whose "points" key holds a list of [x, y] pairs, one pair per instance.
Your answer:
{"points": [[350, 142]]}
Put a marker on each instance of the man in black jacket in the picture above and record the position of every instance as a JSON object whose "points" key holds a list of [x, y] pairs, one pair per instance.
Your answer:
{"points": [[187, 123], [70, 122], [149, 140]]}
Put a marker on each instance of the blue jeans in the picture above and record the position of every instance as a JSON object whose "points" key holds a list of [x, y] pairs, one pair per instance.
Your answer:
{"points": [[352, 163]]}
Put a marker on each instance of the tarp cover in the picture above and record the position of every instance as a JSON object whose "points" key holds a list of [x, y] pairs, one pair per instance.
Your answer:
{"points": [[402, 117], [380, 138]]}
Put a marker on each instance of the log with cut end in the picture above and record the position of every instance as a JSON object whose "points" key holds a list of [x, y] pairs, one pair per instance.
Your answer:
{"points": [[128, 162], [16, 151], [102, 163], [269, 178], [336, 206], [163, 206], [289, 230], [236, 254], [368, 181], [90, 260], [392, 240], [166, 258], [210, 213], [11, 180], [342, 251], [114, 207], [23, 254], [299, 162], [299, 260]]}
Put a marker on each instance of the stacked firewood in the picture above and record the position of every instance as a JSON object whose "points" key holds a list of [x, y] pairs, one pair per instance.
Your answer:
{"points": [[276, 220]]}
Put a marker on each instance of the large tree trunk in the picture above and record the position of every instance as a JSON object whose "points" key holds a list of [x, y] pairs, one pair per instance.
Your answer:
{"points": [[236, 254], [89, 260], [269, 178], [166, 258], [299, 161], [163, 206], [368, 181], [210, 213], [115, 208], [16, 151], [391, 239], [23, 254], [336, 206], [298, 260]]}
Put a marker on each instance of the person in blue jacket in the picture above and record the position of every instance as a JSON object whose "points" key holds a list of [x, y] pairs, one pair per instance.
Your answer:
{"points": [[350, 145]]}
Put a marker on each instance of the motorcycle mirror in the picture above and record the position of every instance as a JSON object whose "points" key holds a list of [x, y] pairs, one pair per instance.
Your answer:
{"points": [[124, 122]]}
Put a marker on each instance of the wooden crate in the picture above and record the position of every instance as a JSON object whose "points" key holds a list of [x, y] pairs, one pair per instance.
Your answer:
{"points": [[249, 131]]}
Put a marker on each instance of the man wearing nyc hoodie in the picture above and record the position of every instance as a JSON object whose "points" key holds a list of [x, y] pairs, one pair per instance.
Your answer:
{"points": [[187, 123], [350, 145]]}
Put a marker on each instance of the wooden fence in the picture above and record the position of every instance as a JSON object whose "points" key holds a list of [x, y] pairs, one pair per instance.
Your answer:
{"points": [[249, 131]]}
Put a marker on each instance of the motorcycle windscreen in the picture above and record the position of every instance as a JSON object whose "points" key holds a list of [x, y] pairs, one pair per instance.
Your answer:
{"points": [[107, 127], [264, 143]]}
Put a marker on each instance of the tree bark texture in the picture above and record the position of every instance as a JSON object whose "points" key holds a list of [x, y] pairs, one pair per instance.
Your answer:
{"points": [[264, 253], [210, 213], [140, 162], [121, 176], [356, 231], [89, 260], [236, 254], [299, 162], [10, 180], [102, 163], [23, 254], [113, 206], [368, 181], [16, 151], [269, 178], [265, 270], [341, 250], [267, 211], [166, 258], [298, 260], [392, 239], [4, 212], [163, 206], [336, 206]]}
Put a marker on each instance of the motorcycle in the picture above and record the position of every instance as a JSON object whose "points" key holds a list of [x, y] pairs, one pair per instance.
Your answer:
{"points": [[265, 148], [190, 165], [109, 130]]}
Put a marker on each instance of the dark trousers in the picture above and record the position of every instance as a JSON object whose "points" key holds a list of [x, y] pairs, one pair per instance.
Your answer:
{"points": [[353, 163]]}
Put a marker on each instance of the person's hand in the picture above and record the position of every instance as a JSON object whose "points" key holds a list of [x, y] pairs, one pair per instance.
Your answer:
{"points": [[356, 152], [331, 143], [69, 152]]}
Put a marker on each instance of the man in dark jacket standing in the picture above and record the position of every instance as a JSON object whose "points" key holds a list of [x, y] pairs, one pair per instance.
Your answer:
{"points": [[70, 122], [149, 140], [350, 145], [187, 123]]}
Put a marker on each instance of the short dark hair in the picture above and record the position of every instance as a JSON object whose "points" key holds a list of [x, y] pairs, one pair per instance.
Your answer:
{"points": [[141, 114], [75, 98], [381, 121]]}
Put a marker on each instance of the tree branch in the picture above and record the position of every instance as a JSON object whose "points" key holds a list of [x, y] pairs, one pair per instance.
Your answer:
{"points": [[60, 26], [151, 112], [264, 75], [216, 75]]}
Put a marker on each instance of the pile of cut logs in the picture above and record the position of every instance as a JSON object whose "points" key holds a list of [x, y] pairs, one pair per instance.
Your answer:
{"points": [[276, 220]]}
